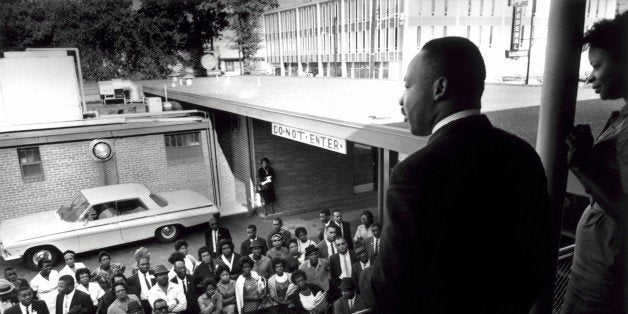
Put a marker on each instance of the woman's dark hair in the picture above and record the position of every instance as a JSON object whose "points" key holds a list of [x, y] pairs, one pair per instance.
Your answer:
{"points": [[608, 35], [103, 254], [176, 257], [202, 250], [292, 240], [206, 282], [81, 271], [220, 269], [299, 230], [369, 216], [278, 260], [266, 160], [246, 260], [41, 262], [296, 274], [180, 243], [222, 242]]}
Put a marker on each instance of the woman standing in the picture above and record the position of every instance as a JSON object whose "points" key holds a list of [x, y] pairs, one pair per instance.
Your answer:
{"points": [[303, 241], [266, 188], [45, 284], [83, 284], [278, 286], [226, 288], [250, 288], [70, 265], [364, 229]]}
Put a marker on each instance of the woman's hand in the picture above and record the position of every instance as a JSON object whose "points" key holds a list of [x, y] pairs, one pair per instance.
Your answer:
{"points": [[580, 142]]}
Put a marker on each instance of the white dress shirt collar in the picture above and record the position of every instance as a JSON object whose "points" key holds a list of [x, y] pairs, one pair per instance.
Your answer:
{"points": [[25, 308], [456, 116]]}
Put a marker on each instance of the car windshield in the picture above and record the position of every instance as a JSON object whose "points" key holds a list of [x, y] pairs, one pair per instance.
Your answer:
{"points": [[72, 212]]}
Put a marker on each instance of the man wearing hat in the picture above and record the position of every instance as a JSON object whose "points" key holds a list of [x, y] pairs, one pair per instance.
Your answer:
{"points": [[26, 303], [316, 269], [363, 263], [261, 263], [214, 235], [169, 291], [7, 295], [351, 301]]}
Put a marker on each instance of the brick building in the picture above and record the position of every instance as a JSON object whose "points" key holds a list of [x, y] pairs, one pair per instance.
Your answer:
{"points": [[44, 169]]}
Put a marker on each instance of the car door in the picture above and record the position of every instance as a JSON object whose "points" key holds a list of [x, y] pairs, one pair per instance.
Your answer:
{"points": [[100, 227], [135, 221]]}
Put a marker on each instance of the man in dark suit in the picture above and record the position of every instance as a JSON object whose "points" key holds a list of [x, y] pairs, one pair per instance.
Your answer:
{"points": [[325, 217], [468, 220], [340, 265], [372, 243], [26, 303], [327, 246], [214, 235], [278, 228], [351, 301], [344, 229], [245, 247], [363, 263], [70, 300], [185, 281], [142, 281]]}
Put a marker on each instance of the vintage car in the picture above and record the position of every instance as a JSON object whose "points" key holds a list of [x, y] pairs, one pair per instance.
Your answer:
{"points": [[101, 217]]}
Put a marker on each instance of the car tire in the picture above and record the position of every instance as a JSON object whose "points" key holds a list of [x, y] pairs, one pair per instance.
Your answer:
{"points": [[167, 233], [33, 255]]}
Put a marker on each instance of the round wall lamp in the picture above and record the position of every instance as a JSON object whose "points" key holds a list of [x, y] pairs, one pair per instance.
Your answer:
{"points": [[101, 150]]}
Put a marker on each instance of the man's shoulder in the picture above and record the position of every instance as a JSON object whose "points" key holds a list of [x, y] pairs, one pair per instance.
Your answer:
{"points": [[13, 310], [81, 295]]}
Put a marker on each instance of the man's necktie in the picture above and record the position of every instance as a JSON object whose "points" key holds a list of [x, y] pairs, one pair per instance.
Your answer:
{"points": [[185, 289], [350, 304], [147, 281], [333, 250], [376, 246], [27, 312]]}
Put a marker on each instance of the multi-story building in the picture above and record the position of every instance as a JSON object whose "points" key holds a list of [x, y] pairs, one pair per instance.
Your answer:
{"points": [[348, 37]]}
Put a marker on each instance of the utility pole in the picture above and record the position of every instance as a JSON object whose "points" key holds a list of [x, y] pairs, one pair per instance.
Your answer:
{"points": [[373, 29], [530, 44]]}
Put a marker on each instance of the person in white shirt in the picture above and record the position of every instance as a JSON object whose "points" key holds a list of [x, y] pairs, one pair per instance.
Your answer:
{"points": [[189, 260], [84, 284], [26, 303], [70, 265], [302, 240], [44, 284], [170, 292], [143, 280]]}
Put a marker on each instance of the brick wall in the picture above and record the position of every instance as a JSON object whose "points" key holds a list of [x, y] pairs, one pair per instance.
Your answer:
{"points": [[305, 175], [68, 168]]}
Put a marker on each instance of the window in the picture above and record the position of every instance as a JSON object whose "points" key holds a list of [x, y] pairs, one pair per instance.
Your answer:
{"points": [[130, 207], [182, 148], [30, 164]]}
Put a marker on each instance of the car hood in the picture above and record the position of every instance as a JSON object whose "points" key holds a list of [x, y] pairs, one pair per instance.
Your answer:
{"points": [[185, 199], [32, 226]]}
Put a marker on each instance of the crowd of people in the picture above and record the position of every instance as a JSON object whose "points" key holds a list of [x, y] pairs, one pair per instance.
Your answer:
{"points": [[276, 274]]}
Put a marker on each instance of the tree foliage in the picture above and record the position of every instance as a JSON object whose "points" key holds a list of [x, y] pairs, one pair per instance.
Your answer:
{"points": [[246, 24], [115, 38]]}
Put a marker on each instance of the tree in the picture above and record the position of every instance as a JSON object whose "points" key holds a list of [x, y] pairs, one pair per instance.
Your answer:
{"points": [[114, 38], [247, 15]]}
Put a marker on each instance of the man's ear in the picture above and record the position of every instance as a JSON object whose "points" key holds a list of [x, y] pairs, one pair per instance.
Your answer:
{"points": [[440, 88]]}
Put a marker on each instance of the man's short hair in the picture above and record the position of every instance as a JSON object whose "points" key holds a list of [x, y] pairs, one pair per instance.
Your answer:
{"points": [[339, 237], [103, 254], [325, 212], [279, 220], [23, 288], [158, 301], [254, 227], [376, 224], [68, 279], [460, 61], [337, 211], [331, 226], [41, 262], [609, 35]]}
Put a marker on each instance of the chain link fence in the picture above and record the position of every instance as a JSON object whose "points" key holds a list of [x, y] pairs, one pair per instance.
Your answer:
{"points": [[563, 269]]}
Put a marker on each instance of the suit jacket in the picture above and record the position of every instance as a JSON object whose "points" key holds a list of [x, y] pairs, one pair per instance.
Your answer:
{"points": [[134, 283], [223, 233], [476, 194], [335, 268], [346, 233], [368, 244], [341, 306], [80, 303], [245, 246], [356, 270], [322, 248], [37, 305], [191, 296]]}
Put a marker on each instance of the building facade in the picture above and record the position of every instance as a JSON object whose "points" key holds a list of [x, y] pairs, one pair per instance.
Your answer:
{"points": [[347, 38]]}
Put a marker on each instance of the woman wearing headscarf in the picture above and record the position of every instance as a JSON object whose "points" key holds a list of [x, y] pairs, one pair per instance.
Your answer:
{"points": [[277, 250], [70, 264], [250, 288]]}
